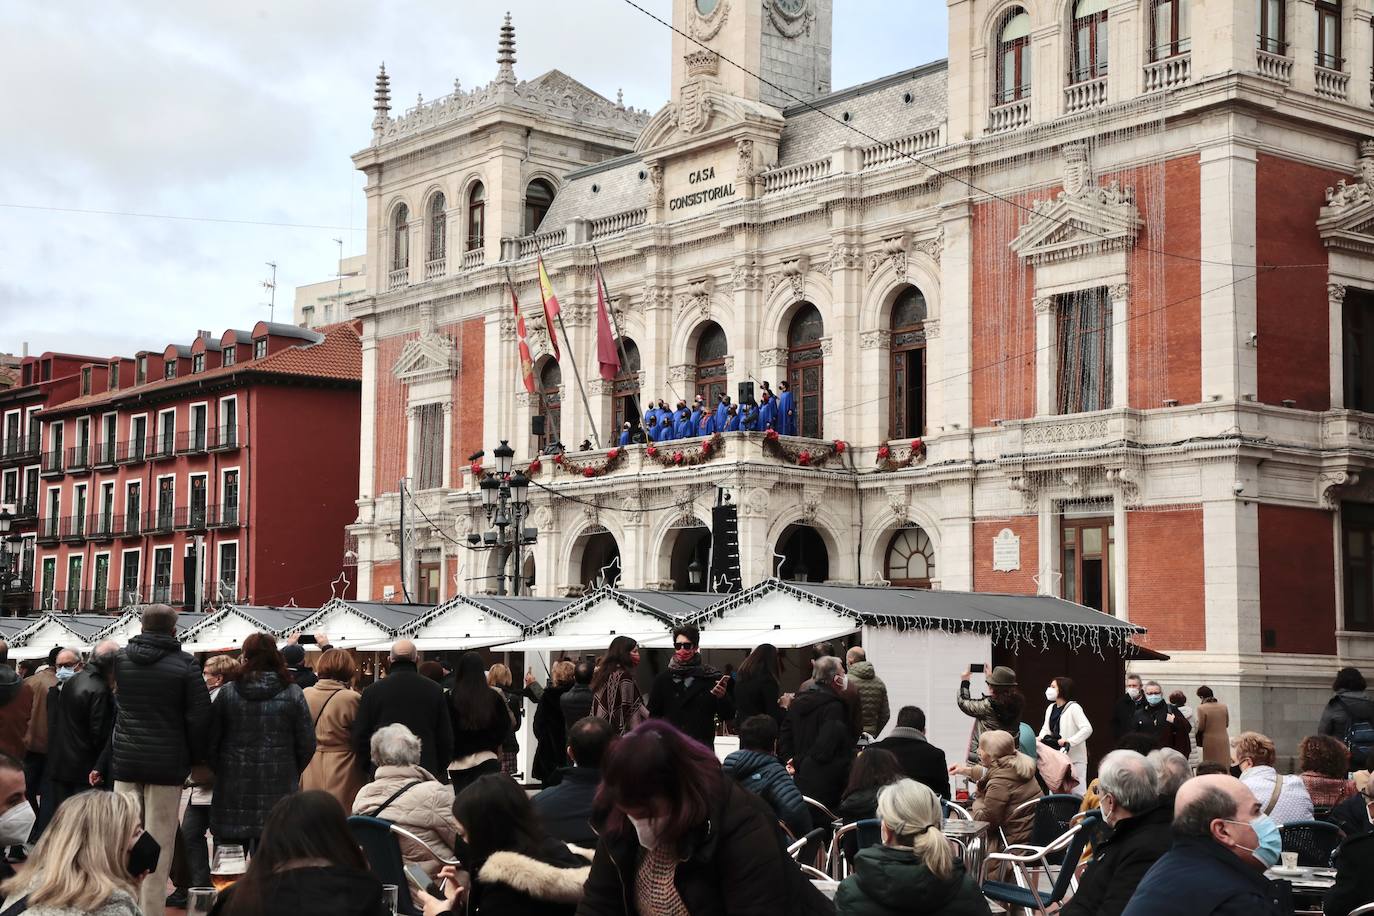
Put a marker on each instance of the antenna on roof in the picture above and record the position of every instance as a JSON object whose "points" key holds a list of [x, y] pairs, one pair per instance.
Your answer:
{"points": [[338, 291], [271, 286]]}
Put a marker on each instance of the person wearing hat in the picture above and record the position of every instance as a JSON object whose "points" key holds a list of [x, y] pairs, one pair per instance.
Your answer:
{"points": [[301, 676], [997, 710]]}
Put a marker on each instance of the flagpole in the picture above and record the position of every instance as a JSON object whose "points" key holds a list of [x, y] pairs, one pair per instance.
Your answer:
{"points": [[619, 338], [596, 438], [519, 366]]}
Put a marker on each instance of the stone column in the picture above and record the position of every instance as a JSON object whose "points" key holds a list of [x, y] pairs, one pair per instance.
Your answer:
{"points": [[1335, 301], [756, 554], [1230, 563], [1127, 40], [1121, 345], [1358, 50], [870, 425], [954, 391], [367, 451], [1302, 44], [1046, 357], [1228, 287], [448, 479]]}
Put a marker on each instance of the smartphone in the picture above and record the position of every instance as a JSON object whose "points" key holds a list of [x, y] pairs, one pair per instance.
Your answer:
{"points": [[305, 639], [419, 879], [976, 668]]}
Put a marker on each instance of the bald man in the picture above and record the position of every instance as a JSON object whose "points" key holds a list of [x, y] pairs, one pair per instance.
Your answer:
{"points": [[1223, 843], [408, 697]]}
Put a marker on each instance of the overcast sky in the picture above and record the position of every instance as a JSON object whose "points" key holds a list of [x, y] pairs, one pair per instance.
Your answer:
{"points": [[249, 110]]}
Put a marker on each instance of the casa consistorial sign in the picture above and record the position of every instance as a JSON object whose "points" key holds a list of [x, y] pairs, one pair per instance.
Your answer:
{"points": [[698, 183]]}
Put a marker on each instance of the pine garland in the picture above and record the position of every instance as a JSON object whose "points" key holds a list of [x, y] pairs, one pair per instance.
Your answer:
{"points": [[615, 457], [804, 453], [676, 453], [905, 457]]}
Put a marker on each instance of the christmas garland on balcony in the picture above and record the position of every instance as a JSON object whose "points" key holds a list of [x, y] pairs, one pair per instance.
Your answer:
{"points": [[915, 454], [804, 455], [677, 453], [615, 457]]}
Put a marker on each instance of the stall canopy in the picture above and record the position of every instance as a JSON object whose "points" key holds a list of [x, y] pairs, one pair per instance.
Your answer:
{"points": [[591, 622], [352, 624], [11, 627], [228, 627], [474, 622], [71, 631], [130, 624]]}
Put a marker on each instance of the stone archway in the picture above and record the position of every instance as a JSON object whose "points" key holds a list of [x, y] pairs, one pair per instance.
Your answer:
{"points": [[801, 555], [600, 560], [690, 554]]}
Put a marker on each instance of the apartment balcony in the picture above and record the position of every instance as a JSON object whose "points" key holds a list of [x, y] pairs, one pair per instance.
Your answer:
{"points": [[27, 508], [79, 459], [1010, 116], [104, 528], [48, 529], [474, 258], [20, 448], [161, 447], [192, 518], [224, 438], [224, 517], [1331, 82], [1272, 61], [104, 455], [159, 522], [193, 442], [1085, 95], [53, 464], [72, 529], [398, 278], [1169, 72], [130, 525], [435, 268], [131, 451]]}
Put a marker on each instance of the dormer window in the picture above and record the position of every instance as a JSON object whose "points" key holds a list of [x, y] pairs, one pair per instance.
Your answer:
{"points": [[260, 348], [230, 355], [85, 380], [114, 376], [538, 199], [141, 370], [170, 370], [198, 363], [1014, 57]]}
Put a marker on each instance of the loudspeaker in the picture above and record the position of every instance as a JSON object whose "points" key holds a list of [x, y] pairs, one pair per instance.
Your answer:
{"points": [[746, 393], [537, 425]]}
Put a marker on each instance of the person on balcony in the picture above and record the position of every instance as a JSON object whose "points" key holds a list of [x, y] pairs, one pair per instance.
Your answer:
{"points": [[786, 424], [665, 427], [722, 411], [624, 439], [682, 421], [732, 420], [707, 423], [749, 419], [694, 420], [768, 410]]}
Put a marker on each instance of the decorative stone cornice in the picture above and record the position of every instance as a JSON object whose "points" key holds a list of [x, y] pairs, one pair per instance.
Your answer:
{"points": [[747, 278], [1120, 292], [1332, 484], [846, 257], [1083, 220], [1043, 305], [933, 247], [878, 340], [827, 345], [932, 328], [755, 503], [1335, 293], [682, 374], [773, 356], [894, 250]]}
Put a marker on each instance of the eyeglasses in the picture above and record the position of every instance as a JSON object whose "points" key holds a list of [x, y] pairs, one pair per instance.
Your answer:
{"points": [[683, 645]]}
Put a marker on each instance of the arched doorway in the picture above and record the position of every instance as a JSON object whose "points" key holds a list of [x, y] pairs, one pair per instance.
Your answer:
{"points": [[600, 560], [690, 562], [550, 401], [806, 370], [625, 398], [802, 555], [538, 200], [910, 559], [712, 348], [527, 575], [907, 378]]}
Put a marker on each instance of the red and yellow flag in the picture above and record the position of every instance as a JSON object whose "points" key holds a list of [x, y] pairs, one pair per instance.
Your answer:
{"points": [[551, 308], [607, 357], [522, 341]]}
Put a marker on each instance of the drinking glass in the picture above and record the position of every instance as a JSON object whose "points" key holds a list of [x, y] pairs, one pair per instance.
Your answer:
{"points": [[228, 865], [389, 898], [199, 901]]}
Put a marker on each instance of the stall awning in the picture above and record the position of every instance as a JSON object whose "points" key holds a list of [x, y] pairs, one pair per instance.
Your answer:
{"points": [[751, 637], [438, 643], [570, 642]]}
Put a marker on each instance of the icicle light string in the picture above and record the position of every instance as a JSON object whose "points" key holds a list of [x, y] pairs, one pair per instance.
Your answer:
{"points": [[893, 148]]}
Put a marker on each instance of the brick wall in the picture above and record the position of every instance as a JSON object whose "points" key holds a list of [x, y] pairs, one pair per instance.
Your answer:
{"points": [[1019, 582], [1297, 580], [1165, 587], [1293, 360], [468, 393], [389, 429], [384, 574], [1003, 359]]}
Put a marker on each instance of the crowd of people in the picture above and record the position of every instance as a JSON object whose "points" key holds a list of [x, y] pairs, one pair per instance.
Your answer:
{"points": [[662, 423], [635, 815]]}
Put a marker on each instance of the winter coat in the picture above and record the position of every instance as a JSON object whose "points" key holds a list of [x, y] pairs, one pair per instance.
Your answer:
{"points": [[565, 809], [859, 805], [1352, 816], [987, 717], [810, 710], [1213, 719], [425, 809], [1074, 728], [261, 741], [303, 677], [515, 702], [334, 768], [823, 772], [1123, 715], [576, 704], [893, 881], [162, 721], [686, 701], [757, 695], [332, 891], [920, 760], [1354, 885], [550, 734], [16, 708], [733, 864], [118, 904], [1336, 717], [1004, 787], [1120, 861], [80, 718], [413, 700], [1154, 721], [873, 708], [620, 702], [1200, 877], [765, 777], [548, 883], [39, 683]]}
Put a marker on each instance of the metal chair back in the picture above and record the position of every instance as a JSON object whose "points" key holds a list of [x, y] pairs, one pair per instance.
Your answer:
{"points": [[954, 811], [383, 853], [1026, 893], [1315, 842], [847, 842]]}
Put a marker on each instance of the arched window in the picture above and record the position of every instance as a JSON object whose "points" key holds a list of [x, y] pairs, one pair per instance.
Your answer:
{"points": [[1329, 35], [400, 238], [1014, 57], [910, 559], [538, 199], [908, 365], [1170, 34], [1272, 28], [712, 348], [1089, 40], [806, 369], [625, 396], [438, 228], [550, 401], [477, 216]]}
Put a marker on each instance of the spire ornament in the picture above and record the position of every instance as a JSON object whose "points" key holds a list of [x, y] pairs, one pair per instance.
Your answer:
{"points": [[505, 53], [381, 104]]}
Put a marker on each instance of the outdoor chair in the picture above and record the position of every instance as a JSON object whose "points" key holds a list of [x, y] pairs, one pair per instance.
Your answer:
{"points": [[1315, 842], [954, 811], [810, 849], [1024, 860], [847, 842], [383, 853]]}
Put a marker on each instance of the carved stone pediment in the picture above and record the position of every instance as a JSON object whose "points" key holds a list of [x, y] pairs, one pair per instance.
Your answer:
{"points": [[430, 357], [1084, 219], [703, 109], [1347, 220]]}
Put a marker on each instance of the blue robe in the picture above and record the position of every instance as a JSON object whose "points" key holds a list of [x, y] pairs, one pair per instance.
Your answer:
{"points": [[768, 414], [707, 425], [787, 423], [694, 421], [732, 423], [750, 423], [624, 439], [665, 432], [680, 428], [722, 414]]}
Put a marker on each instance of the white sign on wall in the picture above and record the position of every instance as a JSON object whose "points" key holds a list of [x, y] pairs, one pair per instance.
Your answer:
{"points": [[1006, 551]]}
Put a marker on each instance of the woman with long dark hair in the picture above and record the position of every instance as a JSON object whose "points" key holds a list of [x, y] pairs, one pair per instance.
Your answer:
{"points": [[758, 689], [874, 769], [677, 836], [615, 695], [481, 723], [307, 864], [516, 869], [261, 740]]}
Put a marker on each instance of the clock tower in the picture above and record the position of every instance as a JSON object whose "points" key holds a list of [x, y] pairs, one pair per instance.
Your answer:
{"points": [[786, 42]]}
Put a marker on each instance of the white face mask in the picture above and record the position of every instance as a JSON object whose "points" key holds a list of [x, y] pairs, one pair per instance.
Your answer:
{"points": [[16, 824], [1133, 692], [1051, 694], [843, 682], [648, 829]]}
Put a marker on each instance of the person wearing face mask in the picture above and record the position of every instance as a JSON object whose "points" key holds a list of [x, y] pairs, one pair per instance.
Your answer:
{"points": [[1223, 843], [80, 720], [678, 836], [17, 816], [812, 708], [1131, 805], [691, 693], [88, 862], [1158, 718], [1006, 781], [1067, 728], [615, 695], [1131, 702], [1285, 798]]}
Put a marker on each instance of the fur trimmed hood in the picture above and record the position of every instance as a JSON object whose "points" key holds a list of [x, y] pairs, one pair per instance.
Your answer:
{"points": [[539, 879]]}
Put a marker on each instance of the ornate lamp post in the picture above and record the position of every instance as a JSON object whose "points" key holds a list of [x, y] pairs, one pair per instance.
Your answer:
{"points": [[9, 557], [505, 499]]}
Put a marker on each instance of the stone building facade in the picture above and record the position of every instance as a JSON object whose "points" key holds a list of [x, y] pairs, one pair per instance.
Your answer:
{"points": [[1110, 263]]}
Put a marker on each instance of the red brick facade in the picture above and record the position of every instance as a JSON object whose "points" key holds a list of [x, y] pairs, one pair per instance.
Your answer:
{"points": [[1018, 582], [1297, 580], [1164, 553]]}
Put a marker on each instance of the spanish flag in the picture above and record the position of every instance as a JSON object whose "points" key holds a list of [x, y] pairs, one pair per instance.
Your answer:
{"points": [[526, 364], [550, 307]]}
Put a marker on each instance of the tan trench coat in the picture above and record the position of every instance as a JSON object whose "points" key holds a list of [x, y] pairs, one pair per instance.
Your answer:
{"points": [[1212, 722], [334, 768]]}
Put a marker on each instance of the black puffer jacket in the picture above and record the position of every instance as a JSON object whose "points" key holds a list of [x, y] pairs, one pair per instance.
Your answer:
{"points": [[163, 720], [261, 741], [80, 716]]}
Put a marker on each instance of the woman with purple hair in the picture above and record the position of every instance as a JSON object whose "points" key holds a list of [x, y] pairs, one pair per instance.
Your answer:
{"points": [[678, 837]]}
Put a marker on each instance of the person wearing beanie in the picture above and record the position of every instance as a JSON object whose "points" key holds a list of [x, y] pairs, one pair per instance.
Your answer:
{"points": [[301, 676]]}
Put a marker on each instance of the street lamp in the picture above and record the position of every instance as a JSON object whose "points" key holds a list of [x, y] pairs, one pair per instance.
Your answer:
{"points": [[505, 499], [505, 455], [695, 572]]}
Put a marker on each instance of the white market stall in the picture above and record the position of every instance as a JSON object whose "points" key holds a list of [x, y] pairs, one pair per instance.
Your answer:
{"points": [[69, 631], [354, 624], [226, 629], [473, 622], [130, 624]]}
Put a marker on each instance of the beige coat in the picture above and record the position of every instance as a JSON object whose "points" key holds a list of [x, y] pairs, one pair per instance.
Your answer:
{"points": [[425, 809], [334, 768], [40, 683], [1212, 721], [1004, 787]]}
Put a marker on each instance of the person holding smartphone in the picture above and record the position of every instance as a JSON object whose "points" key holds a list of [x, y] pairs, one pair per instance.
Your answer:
{"points": [[691, 693]]}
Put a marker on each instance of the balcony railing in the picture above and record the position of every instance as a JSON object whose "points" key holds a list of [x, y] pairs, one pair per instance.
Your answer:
{"points": [[48, 528], [1274, 66], [131, 451], [398, 278], [794, 176], [617, 223], [159, 521], [105, 453], [163, 446], [20, 448], [903, 148], [79, 458], [1085, 95], [26, 508], [474, 258], [225, 516], [435, 267], [73, 528], [52, 464], [224, 438], [1169, 73], [104, 527], [1332, 84], [193, 441], [1010, 116], [192, 518], [132, 523]]}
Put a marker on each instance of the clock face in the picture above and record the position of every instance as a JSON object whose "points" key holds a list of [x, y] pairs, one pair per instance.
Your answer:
{"points": [[790, 7], [707, 7]]}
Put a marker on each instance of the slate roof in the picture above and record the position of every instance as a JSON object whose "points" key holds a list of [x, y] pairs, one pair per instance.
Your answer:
{"points": [[618, 188], [522, 611], [389, 615]]}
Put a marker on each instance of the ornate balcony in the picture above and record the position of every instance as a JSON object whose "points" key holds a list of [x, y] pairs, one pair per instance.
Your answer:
{"points": [[398, 279], [1011, 116], [1085, 95], [1332, 84], [1276, 67], [1169, 73], [435, 268], [20, 448], [53, 464]]}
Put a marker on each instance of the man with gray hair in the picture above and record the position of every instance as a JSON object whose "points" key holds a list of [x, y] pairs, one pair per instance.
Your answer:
{"points": [[812, 708], [1223, 844], [407, 697], [1129, 788], [80, 719], [409, 796], [1173, 771]]}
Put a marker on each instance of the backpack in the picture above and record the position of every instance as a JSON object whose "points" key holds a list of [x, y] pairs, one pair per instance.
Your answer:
{"points": [[1359, 734]]}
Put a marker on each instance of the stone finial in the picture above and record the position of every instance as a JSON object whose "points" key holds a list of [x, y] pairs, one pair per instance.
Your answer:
{"points": [[381, 102], [620, 98], [505, 53], [457, 85]]}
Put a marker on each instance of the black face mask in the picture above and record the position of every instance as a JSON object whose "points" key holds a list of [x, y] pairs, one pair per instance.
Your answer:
{"points": [[461, 850], [143, 856]]}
